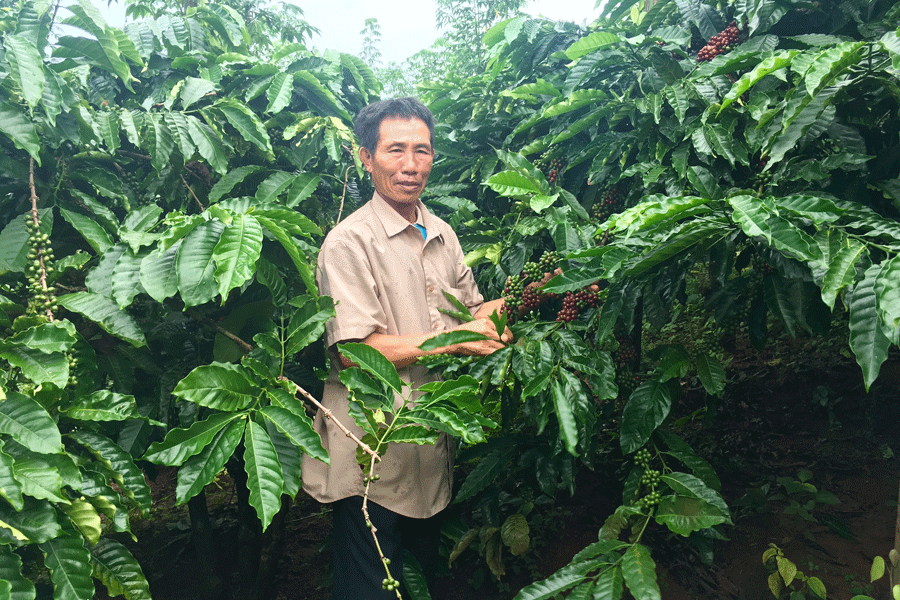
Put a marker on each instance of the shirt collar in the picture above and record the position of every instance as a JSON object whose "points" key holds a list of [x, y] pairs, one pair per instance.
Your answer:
{"points": [[393, 223]]}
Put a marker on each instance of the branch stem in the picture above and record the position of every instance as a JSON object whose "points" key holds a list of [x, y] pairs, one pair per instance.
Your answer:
{"points": [[196, 199], [35, 218], [329, 415], [246, 347]]}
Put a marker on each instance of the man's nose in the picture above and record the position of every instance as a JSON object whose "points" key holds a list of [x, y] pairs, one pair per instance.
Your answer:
{"points": [[409, 163]]}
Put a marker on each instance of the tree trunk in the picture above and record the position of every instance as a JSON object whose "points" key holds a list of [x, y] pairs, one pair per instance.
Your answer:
{"points": [[249, 531], [270, 552], [212, 581]]}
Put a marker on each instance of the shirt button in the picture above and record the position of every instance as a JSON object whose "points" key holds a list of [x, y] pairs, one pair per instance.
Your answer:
{"points": [[437, 325], [431, 289]]}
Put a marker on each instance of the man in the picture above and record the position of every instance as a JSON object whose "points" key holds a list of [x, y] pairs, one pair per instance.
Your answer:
{"points": [[386, 267]]}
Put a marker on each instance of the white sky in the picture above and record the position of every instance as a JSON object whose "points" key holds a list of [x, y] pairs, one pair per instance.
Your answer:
{"points": [[407, 26]]}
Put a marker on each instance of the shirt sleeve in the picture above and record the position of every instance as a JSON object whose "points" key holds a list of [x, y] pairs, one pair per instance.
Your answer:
{"points": [[465, 279], [345, 274]]}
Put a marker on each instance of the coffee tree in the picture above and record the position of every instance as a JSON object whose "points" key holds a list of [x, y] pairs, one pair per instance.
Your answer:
{"points": [[659, 146], [163, 189]]}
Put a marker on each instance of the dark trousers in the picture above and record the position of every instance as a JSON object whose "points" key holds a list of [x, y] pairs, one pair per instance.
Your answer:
{"points": [[358, 571]]}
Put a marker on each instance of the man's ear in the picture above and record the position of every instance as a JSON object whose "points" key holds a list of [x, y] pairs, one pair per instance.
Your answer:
{"points": [[366, 157]]}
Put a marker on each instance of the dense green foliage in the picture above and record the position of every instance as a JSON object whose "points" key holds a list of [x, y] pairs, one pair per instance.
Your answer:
{"points": [[171, 200], [769, 172], [163, 189]]}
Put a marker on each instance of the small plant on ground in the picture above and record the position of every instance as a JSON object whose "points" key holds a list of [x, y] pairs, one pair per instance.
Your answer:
{"points": [[803, 497], [787, 581]]}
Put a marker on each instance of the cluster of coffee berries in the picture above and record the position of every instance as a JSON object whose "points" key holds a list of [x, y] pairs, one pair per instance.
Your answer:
{"points": [[131, 177], [627, 381], [38, 267], [737, 316], [533, 270], [512, 292], [375, 477], [549, 261], [627, 352], [611, 202], [651, 499], [651, 478], [517, 292], [551, 167], [73, 364], [555, 167], [720, 43], [758, 270], [762, 179], [390, 584], [575, 302], [531, 299], [826, 147], [642, 457]]}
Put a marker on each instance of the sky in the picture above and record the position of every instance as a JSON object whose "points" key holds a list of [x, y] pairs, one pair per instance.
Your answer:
{"points": [[407, 26]]}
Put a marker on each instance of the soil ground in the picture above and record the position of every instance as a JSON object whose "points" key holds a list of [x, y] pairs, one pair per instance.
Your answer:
{"points": [[779, 415]]}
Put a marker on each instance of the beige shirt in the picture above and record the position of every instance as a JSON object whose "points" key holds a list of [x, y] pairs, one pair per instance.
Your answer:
{"points": [[386, 279]]}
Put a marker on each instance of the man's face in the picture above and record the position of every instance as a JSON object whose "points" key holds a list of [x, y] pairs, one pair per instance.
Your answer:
{"points": [[401, 162]]}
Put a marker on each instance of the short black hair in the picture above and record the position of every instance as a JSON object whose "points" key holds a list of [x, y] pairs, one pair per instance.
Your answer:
{"points": [[368, 120]]}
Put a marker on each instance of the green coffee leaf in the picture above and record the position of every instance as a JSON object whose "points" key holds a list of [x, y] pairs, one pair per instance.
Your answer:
{"points": [[195, 264], [565, 415], [181, 444], [201, 469], [264, 477], [85, 517], [877, 570], [639, 572], [120, 464], [20, 588], [867, 339], [688, 485], [236, 253], [70, 567], [298, 429], [373, 362], [29, 424], [223, 386], [106, 314], [685, 515], [646, 409], [115, 567], [515, 534]]}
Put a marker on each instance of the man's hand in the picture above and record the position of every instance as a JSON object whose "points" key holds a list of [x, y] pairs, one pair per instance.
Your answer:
{"points": [[403, 350], [485, 327], [495, 307]]}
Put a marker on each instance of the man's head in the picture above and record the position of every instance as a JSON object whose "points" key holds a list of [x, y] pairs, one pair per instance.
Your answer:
{"points": [[398, 152], [370, 117]]}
